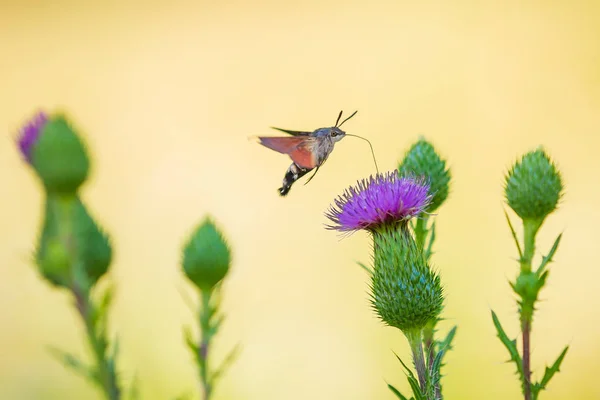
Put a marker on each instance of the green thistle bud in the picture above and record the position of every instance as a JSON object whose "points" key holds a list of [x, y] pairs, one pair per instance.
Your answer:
{"points": [[405, 292], [206, 256], [72, 249], [422, 160], [533, 186], [59, 157]]}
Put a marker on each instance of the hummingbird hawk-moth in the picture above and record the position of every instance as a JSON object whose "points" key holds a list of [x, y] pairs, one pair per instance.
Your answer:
{"points": [[308, 150]]}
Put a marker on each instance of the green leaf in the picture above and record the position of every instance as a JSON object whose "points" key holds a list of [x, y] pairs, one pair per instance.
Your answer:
{"points": [[542, 280], [187, 299], [397, 393], [514, 234], [549, 373], [428, 252], [134, 391], [511, 346], [189, 340], [99, 312], [71, 362], [548, 259], [363, 266], [227, 361], [446, 344], [443, 348], [412, 381]]}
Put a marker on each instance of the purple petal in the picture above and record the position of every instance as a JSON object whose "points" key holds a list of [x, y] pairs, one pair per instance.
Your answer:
{"points": [[381, 199], [29, 134]]}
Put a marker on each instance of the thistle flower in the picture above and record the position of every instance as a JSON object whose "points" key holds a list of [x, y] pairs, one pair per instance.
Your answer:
{"points": [[56, 153], [405, 292], [385, 198], [29, 134]]}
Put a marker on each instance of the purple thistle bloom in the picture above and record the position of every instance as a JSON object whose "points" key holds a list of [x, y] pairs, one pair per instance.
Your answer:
{"points": [[30, 132], [381, 199]]}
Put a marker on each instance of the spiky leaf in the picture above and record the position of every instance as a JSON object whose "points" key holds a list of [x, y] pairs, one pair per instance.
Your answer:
{"points": [[548, 259], [514, 234], [397, 393], [549, 373], [511, 346]]}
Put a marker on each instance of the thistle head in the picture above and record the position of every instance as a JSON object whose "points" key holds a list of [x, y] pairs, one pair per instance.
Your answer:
{"points": [[206, 256], [56, 153], [533, 186], [405, 292], [381, 200], [422, 160]]}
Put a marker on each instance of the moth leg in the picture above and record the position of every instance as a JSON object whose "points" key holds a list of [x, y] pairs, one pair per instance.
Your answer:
{"points": [[293, 173]]}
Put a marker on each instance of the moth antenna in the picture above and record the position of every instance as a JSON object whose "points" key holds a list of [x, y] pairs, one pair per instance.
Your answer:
{"points": [[338, 119], [370, 145], [353, 114]]}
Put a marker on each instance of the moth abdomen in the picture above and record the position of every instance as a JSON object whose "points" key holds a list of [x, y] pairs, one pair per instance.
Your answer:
{"points": [[293, 173]]}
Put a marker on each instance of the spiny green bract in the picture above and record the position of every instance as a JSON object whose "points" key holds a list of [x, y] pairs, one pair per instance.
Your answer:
{"points": [[422, 160], [533, 186], [72, 249], [405, 292], [59, 157], [206, 256]]}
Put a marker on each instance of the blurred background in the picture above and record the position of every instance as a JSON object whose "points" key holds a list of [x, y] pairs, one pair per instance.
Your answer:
{"points": [[167, 93]]}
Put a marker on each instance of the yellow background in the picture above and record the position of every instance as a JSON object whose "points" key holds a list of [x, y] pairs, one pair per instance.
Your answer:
{"points": [[166, 95]]}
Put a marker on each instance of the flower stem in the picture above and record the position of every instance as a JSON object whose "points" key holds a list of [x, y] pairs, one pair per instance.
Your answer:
{"points": [[530, 228], [204, 346], [421, 232], [105, 374], [416, 346]]}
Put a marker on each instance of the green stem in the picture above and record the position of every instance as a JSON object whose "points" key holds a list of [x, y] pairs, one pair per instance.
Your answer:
{"points": [[530, 229], [204, 346], [416, 345], [105, 374], [421, 231], [62, 206]]}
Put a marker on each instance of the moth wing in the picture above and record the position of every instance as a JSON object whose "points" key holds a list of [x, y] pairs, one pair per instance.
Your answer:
{"points": [[298, 148], [293, 133], [304, 156]]}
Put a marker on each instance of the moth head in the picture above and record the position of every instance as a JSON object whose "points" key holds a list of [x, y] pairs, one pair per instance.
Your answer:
{"points": [[336, 134]]}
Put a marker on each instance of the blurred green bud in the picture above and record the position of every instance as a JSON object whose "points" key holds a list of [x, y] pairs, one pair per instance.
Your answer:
{"points": [[59, 157], [422, 160], [533, 186], [405, 292], [72, 249], [206, 256]]}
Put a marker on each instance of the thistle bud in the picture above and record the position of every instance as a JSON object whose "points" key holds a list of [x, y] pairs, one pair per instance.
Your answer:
{"points": [[55, 152], [533, 186], [206, 256], [72, 250], [422, 160], [405, 292]]}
